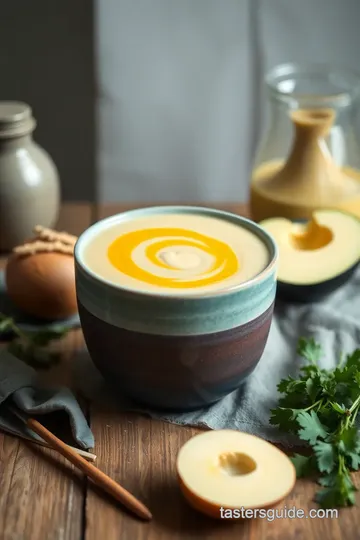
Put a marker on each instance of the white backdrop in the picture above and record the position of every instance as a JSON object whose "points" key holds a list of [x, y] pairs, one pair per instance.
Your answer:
{"points": [[179, 105]]}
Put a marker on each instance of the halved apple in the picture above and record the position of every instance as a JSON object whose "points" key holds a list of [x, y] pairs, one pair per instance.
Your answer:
{"points": [[316, 257], [230, 470]]}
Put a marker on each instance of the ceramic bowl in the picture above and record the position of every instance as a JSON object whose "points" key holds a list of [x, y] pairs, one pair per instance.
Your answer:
{"points": [[173, 352]]}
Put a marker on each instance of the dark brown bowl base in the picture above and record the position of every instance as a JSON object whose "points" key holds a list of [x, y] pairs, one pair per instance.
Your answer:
{"points": [[175, 372]]}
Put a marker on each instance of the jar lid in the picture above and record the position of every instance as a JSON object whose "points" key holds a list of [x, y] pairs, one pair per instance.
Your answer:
{"points": [[15, 119]]}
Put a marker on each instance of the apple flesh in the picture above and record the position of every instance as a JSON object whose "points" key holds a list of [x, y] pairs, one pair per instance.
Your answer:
{"points": [[228, 469]]}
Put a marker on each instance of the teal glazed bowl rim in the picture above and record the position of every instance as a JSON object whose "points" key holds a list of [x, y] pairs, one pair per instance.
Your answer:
{"points": [[243, 222]]}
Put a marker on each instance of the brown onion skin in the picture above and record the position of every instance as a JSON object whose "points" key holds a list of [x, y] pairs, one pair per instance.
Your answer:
{"points": [[42, 285]]}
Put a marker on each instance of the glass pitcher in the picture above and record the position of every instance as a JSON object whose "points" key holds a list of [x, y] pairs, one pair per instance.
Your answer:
{"points": [[309, 157]]}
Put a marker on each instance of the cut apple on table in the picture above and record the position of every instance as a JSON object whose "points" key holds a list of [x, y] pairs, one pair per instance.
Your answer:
{"points": [[230, 470], [315, 257]]}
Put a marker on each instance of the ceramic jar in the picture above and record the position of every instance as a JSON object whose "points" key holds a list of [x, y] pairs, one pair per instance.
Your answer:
{"points": [[29, 181]]}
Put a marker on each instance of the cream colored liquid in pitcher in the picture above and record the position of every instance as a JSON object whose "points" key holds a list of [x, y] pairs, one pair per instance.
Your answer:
{"points": [[309, 179]]}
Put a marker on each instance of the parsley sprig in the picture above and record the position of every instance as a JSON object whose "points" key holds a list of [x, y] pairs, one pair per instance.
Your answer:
{"points": [[321, 408], [32, 347]]}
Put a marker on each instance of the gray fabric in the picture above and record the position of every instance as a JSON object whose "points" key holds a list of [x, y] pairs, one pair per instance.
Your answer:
{"points": [[19, 387], [335, 323]]}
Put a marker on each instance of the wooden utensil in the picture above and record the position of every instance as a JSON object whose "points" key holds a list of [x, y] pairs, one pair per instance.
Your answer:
{"points": [[87, 455], [97, 476]]}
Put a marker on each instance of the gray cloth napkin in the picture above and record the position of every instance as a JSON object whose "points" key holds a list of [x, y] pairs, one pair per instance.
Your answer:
{"points": [[19, 388], [334, 323]]}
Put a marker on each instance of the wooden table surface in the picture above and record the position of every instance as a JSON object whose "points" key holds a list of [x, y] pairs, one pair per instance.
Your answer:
{"points": [[43, 498]]}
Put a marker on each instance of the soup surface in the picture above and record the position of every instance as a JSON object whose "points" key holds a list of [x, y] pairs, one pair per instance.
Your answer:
{"points": [[176, 254]]}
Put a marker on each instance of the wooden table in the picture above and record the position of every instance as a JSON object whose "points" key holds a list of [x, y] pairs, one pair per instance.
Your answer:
{"points": [[43, 498]]}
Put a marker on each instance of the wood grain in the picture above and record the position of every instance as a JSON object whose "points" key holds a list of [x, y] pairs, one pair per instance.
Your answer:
{"points": [[91, 471], [41, 495], [41, 498], [141, 453]]}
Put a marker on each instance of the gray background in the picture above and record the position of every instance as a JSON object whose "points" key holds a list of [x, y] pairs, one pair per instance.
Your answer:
{"points": [[159, 100]]}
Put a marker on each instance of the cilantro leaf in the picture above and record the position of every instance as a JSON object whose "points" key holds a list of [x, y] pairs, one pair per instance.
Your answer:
{"points": [[313, 387], [354, 459], [340, 491], [325, 456], [7, 324], [309, 350], [328, 384], [349, 446], [44, 337], [328, 480], [312, 428], [304, 465], [334, 496], [286, 385], [347, 376], [353, 360], [357, 378], [322, 407], [291, 386], [36, 357], [295, 397], [285, 419], [349, 439], [30, 346]]}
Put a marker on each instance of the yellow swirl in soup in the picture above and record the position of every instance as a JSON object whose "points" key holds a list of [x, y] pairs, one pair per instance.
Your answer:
{"points": [[174, 257], [175, 253]]}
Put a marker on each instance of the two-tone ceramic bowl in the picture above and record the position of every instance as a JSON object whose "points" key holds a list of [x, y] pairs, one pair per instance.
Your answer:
{"points": [[174, 351]]}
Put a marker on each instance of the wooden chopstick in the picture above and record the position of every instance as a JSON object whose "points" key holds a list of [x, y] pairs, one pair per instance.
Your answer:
{"points": [[83, 453], [97, 476], [87, 455]]}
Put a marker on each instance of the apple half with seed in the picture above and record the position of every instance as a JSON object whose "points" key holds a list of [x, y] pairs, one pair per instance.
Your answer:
{"points": [[231, 470], [315, 257]]}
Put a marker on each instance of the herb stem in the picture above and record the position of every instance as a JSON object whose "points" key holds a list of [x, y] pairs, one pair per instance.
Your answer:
{"points": [[313, 405], [355, 405]]}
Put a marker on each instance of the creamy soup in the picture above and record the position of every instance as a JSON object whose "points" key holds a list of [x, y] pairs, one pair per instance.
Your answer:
{"points": [[176, 253]]}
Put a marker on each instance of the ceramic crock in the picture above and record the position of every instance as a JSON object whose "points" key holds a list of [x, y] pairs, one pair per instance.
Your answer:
{"points": [[174, 352]]}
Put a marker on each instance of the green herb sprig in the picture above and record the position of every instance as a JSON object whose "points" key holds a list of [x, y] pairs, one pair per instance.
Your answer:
{"points": [[321, 408], [31, 347]]}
